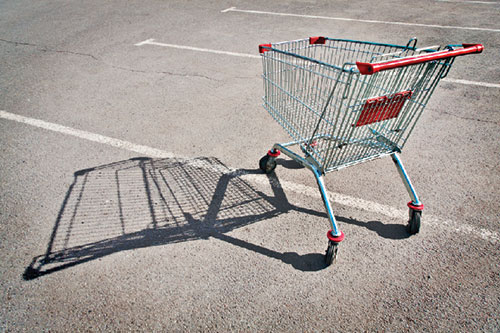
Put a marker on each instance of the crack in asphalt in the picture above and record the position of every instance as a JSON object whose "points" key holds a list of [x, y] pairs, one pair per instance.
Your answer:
{"points": [[162, 72], [45, 49], [17, 43], [473, 119]]}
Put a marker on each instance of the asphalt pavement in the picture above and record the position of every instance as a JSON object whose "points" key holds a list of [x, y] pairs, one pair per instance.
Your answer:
{"points": [[130, 195]]}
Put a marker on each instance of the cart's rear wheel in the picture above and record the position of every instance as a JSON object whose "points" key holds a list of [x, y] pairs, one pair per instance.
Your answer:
{"points": [[331, 253], [414, 221], [267, 164]]}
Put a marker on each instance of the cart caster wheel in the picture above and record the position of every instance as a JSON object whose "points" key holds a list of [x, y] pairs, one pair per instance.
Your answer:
{"points": [[331, 253], [414, 222], [267, 164]]}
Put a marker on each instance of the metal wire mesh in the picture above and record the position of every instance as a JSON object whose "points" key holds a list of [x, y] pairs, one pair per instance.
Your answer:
{"points": [[317, 94]]}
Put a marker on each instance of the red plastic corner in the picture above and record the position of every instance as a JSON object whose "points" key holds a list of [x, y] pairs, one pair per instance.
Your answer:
{"points": [[276, 154], [335, 239], [264, 48], [365, 68], [317, 40], [418, 208]]}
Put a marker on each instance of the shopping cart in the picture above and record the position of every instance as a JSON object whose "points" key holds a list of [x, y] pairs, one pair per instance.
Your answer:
{"points": [[345, 102]]}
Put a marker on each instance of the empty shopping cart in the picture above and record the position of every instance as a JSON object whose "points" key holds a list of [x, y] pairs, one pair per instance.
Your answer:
{"points": [[345, 102]]}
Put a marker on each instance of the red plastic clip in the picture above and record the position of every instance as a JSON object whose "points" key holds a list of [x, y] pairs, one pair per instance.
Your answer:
{"points": [[313, 144], [418, 208], [317, 40], [275, 154], [264, 48], [335, 239]]}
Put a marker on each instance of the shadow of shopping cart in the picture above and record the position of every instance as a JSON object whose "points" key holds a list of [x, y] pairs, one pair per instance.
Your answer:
{"points": [[146, 202]]}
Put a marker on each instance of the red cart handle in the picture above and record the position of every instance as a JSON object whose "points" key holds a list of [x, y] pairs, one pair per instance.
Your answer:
{"points": [[366, 68]]}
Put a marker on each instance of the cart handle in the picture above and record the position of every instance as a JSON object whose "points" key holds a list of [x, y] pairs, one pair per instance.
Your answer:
{"points": [[366, 68]]}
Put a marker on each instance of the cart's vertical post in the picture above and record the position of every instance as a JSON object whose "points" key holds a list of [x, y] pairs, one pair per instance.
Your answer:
{"points": [[321, 185], [335, 236], [406, 180]]}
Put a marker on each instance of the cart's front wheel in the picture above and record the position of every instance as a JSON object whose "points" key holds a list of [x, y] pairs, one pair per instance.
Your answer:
{"points": [[414, 221], [267, 164], [331, 253]]}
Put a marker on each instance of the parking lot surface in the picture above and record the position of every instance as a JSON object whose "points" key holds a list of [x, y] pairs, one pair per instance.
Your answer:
{"points": [[130, 195]]}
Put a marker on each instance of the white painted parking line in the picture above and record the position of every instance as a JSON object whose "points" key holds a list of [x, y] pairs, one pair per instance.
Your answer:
{"points": [[86, 135], [234, 9], [470, 1], [247, 55], [337, 198], [199, 49], [473, 83], [377, 208]]}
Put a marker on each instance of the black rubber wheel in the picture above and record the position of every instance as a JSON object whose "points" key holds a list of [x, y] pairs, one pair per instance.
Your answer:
{"points": [[414, 222], [331, 253], [267, 165]]}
